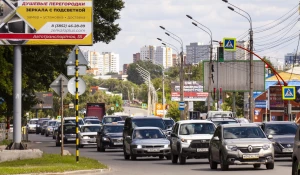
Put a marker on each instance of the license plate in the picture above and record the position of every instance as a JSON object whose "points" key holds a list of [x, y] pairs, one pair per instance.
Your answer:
{"points": [[202, 149], [287, 150], [93, 140], [118, 143], [71, 139], [153, 150], [250, 156]]}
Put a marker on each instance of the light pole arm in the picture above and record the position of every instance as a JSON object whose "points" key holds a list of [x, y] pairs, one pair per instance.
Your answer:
{"points": [[249, 19], [246, 18], [210, 35], [181, 42]]}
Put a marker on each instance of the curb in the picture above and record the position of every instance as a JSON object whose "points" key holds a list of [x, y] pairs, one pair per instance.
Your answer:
{"points": [[95, 171]]}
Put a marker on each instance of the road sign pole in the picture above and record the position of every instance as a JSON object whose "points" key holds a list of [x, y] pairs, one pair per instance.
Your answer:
{"points": [[62, 116], [76, 103]]}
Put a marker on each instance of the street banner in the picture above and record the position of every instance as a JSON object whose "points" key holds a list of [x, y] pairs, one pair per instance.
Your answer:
{"points": [[45, 100], [277, 103], [38, 22], [193, 91]]}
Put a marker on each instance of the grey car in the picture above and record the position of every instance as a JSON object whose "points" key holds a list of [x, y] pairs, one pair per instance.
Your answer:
{"points": [[147, 141], [240, 144]]}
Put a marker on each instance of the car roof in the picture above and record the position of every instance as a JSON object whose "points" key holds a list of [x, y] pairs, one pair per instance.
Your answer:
{"points": [[222, 119], [90, 125], [113, 124], [147, 127], [34, 119], [71, 118], [112, 116], [194, 121], [92, 119], [167, 118], [278, 122], [144, 117], [240, 125]]}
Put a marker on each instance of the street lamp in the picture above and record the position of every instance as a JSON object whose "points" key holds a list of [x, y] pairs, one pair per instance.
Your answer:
{"points": [[182, 115], [146, 76], [251, 109], [208, 31]]}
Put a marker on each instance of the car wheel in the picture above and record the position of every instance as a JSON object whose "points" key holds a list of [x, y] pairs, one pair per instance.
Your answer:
{"points": [[295, 167], [126, 156], [174, 158], [53, 137], [80, 146], [133, 157], [102, 149], [270, 166], [57, 144], [182, 159], [256, 166], [213, 165], [224, 166], [161, 157], [47, 135], [168, 157], [42, 133]]}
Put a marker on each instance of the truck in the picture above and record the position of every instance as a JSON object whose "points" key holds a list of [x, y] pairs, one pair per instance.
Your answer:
{"points": [[95, 109]]}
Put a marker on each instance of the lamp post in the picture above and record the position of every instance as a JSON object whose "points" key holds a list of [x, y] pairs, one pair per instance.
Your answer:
{"points": [[146, 76], [251, 109], [208, 31], [182, 115]]}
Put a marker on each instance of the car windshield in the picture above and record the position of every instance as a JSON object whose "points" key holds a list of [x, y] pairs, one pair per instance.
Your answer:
{"points": [[281, 129], [243, 132], [169, 123], [111, 119], [90, 128], [33, 122], [150, 123], [113, 129], [196, 128], [223, 122], [69, 129], [148, 134], [92, 122], [51, 123], [73, 121]]}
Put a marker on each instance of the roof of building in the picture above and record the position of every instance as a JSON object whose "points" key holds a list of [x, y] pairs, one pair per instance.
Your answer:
{"points": [[287, 75]]}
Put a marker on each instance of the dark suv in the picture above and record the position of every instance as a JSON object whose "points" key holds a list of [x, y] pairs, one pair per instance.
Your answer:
{"points": [[69, 134], [39, 124], [132, 122], [111, 119], [110, 137]]}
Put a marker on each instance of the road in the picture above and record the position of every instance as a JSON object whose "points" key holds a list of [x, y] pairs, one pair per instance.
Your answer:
{"points": [[151, 166], [135, 111]]}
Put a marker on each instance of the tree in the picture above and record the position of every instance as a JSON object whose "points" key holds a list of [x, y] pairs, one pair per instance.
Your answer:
{"points": [[173, 111]]}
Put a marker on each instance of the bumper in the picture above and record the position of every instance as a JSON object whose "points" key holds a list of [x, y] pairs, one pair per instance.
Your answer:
{"points": [[91, 141], [31, 129], [143, 152], [282, 152], [195, 152], [49, 132], [249, 159], [112, 145]]}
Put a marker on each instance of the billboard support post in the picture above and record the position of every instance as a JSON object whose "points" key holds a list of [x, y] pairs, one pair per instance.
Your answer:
{"points": [[62, 115]]}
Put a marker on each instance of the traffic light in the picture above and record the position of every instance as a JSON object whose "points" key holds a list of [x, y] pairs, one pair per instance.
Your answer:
{"points": [[220, 54]]}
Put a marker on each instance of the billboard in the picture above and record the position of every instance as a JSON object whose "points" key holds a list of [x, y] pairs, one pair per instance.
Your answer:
{"points": [[277, 103], [234, 75], [39, 22], [45, 100], [193, 91]]}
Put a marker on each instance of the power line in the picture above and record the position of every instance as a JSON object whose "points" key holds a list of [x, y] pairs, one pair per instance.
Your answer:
{"points": [[294, 59]]}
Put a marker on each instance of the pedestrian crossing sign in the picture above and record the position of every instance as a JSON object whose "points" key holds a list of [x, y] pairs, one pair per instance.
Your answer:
{"points": [[288, 92], [229, 44]]}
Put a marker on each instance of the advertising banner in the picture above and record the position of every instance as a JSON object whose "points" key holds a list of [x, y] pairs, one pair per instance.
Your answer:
{"points": [[192, 91], [41, 22], [45, 100], [159, 109], [277, 103]]}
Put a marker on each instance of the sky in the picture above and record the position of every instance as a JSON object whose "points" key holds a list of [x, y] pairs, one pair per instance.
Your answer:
{"points": [[275, 25]]}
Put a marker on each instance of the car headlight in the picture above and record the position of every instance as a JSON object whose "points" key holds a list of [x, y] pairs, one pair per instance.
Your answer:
{"points": [[231, 147], [139, 146], [59, 135], [267, 146], [37, 125], [166, 146], [186, 140], [105, 139], [86, 137]]}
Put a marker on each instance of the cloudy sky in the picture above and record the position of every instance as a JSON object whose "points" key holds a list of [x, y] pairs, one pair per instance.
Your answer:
{"points": [[274, 24]]}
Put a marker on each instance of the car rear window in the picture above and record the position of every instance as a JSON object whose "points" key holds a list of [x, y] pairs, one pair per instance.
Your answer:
{"points": [[111, 119], [281, 129], [169, 123], [149, 122]]}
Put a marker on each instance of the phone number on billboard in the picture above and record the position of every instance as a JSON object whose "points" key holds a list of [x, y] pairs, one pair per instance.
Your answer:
{"points": [[69, 25]]}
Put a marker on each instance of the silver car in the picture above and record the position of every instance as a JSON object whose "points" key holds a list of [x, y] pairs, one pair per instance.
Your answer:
{"points": [[240, 144], [148, 141]]}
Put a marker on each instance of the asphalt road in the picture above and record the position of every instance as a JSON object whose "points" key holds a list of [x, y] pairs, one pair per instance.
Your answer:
{"points": [[151, 166], [135, 111]]}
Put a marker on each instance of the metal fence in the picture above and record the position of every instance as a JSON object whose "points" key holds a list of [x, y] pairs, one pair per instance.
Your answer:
{"points": [[8, 134]]}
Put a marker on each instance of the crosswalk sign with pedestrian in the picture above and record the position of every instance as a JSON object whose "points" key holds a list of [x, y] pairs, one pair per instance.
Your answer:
{"points": [[288, 92], [229, 44]]}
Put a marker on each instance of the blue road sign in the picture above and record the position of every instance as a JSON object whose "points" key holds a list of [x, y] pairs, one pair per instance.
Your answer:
{"points": [[256, 112], [229, 44], [181, 105], [288, 92]]}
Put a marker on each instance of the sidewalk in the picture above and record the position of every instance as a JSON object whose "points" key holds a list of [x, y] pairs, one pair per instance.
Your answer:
{"points": [[79, 172]]}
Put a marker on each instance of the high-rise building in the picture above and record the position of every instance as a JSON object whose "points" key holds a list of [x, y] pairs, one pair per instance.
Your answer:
{"points": [[109, 63], [239, 54], [175, 59], [136, 57], [196, 52], [93, 58], [147, 52], [290, 59], [125, 67], [163, 56]]}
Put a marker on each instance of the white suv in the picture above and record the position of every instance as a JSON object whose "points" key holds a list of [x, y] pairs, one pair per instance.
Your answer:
{"points": [[190, 139]]}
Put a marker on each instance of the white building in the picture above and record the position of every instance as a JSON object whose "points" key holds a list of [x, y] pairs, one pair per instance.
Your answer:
{"points": [[163, 56], [147, 52], [196, 52], [109, 63], [239, 54]]}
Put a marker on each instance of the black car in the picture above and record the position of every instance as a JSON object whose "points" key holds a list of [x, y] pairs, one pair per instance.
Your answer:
{"points": [[110, 137], [222, 120], [40, 124], [169, 122], [69, 134], [111, 119], [283, 133]]}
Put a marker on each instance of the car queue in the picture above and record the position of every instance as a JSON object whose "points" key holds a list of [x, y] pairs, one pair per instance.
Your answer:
{"points": [[222, 141]]}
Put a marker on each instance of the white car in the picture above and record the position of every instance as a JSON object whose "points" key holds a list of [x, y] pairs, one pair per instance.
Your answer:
{"points": [[31, 125], [190, 139], [87, 134]]}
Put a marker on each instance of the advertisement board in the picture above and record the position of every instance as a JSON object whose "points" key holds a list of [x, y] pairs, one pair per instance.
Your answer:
{"points": [[159, 109], [277, 103], [193, 91], [45, 100], [41, 22]]}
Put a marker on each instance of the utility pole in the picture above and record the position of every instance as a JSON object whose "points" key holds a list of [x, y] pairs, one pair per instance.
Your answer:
{"points": [[181, 83], [251, 75]]}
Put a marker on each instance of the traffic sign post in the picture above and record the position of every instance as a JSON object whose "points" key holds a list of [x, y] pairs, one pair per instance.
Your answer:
{"points": [[288, 92], [181, 105], [229, 44]]}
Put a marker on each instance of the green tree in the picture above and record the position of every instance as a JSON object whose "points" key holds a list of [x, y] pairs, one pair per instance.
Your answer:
{"points": [[173, 111]]}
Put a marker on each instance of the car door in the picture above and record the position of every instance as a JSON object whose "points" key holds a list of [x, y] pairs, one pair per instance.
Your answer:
{"points": [[296, 150], [126, 132], [215, 144], [174, 139]]}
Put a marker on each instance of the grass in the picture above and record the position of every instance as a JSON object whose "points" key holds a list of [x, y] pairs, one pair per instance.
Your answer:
{"points": [[5, 142], [49, 163]]}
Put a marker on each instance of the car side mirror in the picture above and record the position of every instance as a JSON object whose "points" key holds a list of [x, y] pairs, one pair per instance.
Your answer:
{"points": [[216, 138], [270, 137]]}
